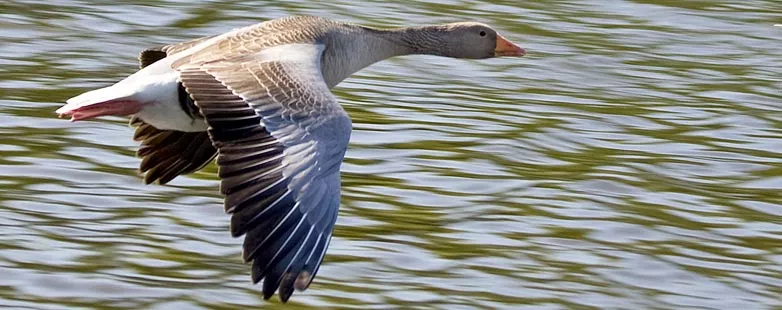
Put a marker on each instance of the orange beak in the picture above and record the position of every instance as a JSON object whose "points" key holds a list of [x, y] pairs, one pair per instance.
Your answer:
{"points": [[507, 48]]}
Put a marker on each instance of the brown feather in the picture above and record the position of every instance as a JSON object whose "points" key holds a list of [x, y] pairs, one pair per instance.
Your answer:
{"points": [[150, 56], [166, 154]]}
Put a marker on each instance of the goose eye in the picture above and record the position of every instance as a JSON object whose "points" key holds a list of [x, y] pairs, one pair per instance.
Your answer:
{"points": [[483, 33]]}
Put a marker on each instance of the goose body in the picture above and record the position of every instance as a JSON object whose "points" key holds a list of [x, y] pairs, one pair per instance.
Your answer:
{"points": [[258, 98]]}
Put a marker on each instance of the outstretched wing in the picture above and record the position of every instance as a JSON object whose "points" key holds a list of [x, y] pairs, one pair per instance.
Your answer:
{"points": [[281, 138]]}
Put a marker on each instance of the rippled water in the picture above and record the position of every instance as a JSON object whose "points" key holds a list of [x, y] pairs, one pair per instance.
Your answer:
{"points": [[633, 160]]}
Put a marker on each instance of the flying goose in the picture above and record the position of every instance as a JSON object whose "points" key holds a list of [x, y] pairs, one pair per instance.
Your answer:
{"points": [[258, 98]]}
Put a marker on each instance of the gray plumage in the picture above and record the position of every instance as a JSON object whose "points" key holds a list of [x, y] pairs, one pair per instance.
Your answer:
{"points": [[258, 98]]}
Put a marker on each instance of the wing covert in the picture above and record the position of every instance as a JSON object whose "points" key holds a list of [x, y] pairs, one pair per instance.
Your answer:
{"points": [[281, 137]]}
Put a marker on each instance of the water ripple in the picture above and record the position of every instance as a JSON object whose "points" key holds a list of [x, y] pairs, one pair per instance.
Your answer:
{"points": [[630, 161]]}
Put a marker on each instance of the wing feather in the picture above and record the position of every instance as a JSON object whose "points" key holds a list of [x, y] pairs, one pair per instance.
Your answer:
{"points": [[281, 137]]}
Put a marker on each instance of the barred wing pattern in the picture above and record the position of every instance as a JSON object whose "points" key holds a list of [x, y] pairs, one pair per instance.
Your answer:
{"points": [[281, 138]]}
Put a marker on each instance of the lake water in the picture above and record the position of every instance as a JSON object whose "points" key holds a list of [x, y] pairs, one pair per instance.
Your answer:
{"points": [[633, 160]]}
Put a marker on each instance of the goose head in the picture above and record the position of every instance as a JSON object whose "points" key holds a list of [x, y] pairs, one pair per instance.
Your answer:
{"points": [[469, 40]]}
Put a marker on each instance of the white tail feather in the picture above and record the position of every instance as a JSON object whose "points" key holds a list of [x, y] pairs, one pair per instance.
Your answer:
{"points": [[154, 87], [153, 83], [95, 96]]}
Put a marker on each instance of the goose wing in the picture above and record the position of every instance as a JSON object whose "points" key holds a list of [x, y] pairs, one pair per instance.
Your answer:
{"points": [[281, 137]]}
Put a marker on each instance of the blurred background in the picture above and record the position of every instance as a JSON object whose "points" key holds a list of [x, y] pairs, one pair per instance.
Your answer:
{"points": [[633, 160]]}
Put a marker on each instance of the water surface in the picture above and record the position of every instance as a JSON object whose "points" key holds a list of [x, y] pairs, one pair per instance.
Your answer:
{"points": [[632, 160]]}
